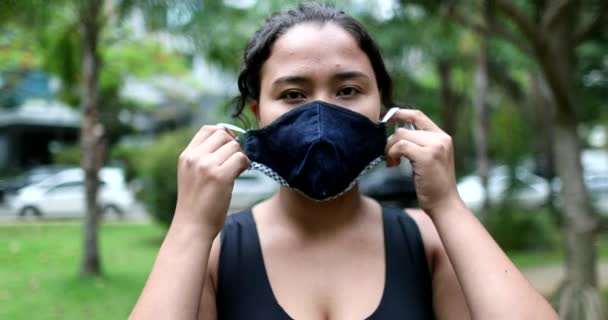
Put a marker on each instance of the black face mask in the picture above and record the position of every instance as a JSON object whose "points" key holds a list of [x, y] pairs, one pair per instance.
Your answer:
{"points": [[318, 148]]}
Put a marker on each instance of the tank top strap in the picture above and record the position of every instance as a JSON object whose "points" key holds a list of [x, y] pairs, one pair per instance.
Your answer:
{"points": [[408, 285], [242, 281]]}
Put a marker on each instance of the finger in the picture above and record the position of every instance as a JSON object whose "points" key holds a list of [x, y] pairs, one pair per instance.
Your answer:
{"points": [[394, 138], [217, 139], [421, 138], [404, 148], [236, 164], [225, 152], [203, 133], [417, 117]]}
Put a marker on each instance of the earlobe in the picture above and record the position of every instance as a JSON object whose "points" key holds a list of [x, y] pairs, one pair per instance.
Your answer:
{"points": [[253, 104]]}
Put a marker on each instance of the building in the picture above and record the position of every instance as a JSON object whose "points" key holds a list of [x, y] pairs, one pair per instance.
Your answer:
{"points": [[29, 132]]}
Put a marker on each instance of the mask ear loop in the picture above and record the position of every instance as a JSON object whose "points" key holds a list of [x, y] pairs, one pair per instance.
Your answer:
{"points": [[391, 113], [236, 129], [232, 127], [406, 125]]}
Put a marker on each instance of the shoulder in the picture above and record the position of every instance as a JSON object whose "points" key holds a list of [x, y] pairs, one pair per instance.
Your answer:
{"points": [[428, 233]]}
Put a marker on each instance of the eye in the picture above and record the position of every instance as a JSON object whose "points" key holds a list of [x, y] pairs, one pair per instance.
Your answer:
{"points": [[292, 95], [348, 92]]}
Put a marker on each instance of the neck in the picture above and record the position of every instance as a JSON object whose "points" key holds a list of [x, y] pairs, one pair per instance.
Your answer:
{"points": [[316, 216]]}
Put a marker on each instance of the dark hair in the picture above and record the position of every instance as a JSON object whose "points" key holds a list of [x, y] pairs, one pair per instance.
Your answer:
{"points": [[260, 45]]}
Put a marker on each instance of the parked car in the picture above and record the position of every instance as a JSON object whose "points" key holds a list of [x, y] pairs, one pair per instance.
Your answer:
{"points": [[63, 194], [529, 190], [390, 186], [8, 187], [250, 188]]}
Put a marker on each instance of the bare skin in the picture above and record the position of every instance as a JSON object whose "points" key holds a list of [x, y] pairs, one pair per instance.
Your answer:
{"points": [[330, 244]]}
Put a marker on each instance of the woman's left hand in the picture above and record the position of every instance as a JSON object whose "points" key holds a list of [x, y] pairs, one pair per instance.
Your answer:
{"points": [[430, 151]]}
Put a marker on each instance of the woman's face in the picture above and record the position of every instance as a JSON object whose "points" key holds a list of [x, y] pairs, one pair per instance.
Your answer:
{"points": [[313, 61]]}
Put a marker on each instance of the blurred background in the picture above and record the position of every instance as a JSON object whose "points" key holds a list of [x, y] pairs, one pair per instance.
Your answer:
{"points": [[115, 89]]}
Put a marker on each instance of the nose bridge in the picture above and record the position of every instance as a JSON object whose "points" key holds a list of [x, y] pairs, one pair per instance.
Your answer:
{"points": [[323, 92]]}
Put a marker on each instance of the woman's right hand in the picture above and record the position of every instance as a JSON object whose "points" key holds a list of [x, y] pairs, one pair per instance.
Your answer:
{"points": [[206, 172]]}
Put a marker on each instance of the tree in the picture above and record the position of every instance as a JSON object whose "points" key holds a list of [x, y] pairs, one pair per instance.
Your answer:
{"points": [[87, 14], [92, 143], [550, 37], [55, 23], [481, 130]]}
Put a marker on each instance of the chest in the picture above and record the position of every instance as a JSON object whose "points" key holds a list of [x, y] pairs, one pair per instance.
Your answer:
{"points": [[341, 277], [380, 274]]}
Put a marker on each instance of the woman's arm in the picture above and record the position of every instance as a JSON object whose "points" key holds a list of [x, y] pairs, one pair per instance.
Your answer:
{"points": [[448, 298], [494, 288], [492, 285], [206, 172], [174, 287]]}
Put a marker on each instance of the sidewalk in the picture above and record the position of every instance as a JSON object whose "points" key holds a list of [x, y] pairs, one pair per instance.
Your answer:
{"points": [[547, 278]]}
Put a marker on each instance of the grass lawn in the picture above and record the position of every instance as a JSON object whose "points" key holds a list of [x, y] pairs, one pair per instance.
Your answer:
{"points": [[39, 271], [524, 259]]}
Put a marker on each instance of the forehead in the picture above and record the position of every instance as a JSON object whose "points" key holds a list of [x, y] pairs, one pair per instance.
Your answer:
{"points": [[315, 49]]}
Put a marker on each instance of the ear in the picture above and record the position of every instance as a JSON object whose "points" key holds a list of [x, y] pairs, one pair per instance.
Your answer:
{"points": [[253, 104]]}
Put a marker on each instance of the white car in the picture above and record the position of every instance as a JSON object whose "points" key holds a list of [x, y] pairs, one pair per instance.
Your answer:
{"points": [[63, 194], [529, 190], [250, 188]]}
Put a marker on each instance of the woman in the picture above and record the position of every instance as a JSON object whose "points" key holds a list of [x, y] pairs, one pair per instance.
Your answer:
{"points": [[318, 249]]}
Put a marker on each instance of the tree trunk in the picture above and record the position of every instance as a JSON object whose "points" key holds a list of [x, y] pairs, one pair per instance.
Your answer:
{"points": [[578, 297], [450, 104], [91, 133], [481, 122], [448, 97]]}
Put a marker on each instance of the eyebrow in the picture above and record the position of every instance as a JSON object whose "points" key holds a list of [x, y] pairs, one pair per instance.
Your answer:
{"points": [[290, 80], [346, 75]]}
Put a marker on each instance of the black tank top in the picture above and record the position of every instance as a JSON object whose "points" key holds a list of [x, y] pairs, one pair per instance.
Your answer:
{"points": [[244, 292]]}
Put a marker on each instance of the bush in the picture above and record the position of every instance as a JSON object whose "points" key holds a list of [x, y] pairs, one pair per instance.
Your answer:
{"points": [[517, 229], [67, 155], [157, 165], [129, 158]]}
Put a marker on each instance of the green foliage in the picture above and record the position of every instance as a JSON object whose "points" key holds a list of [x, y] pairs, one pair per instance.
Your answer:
{"points": [[213, 21], [16, 50], [518, 229], [61, 56], [142, 59], [510, 134], [157, 165], [129, 158], [592, 84], [67, 155]]}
